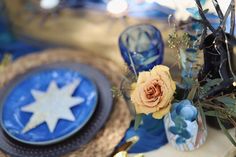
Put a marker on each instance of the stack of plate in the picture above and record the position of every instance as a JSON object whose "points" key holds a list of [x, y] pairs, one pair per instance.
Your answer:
{"points": [[37, 122]]}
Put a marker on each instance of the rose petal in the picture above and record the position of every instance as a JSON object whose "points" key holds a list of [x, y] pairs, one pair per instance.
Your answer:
{"points": [[159, 68], [143, 77], [144, 109], [161, 113]]}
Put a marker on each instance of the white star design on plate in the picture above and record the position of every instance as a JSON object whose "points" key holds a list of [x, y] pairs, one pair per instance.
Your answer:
{"points": [[52, 105]]}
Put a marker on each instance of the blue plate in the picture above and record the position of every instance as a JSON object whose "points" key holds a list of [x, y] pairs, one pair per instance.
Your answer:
{"points": [[14, 120], [81, 137]]}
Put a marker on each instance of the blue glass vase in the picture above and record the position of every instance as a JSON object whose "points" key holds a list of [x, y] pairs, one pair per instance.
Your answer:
{"points": [[141, 47]]}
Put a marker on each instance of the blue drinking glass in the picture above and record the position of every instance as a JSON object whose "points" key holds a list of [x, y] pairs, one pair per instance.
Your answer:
{"points": [[141, 47]]}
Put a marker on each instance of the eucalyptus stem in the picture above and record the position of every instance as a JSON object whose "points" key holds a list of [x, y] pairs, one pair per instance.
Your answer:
{"points": [[204, 33], [232, 121], [213, 106], [225, 95]]}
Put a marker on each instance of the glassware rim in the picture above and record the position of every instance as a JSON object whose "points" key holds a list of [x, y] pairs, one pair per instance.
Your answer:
{"points": [[138, 25]]}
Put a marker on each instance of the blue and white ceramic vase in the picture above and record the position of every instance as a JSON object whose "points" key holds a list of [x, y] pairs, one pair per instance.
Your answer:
{"points": [[184, 127]]}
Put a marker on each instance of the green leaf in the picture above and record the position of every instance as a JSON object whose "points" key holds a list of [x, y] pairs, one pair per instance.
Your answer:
{"points": [[116, 92], [211, 113], [225, 131], [227, 101], [183, 58], [202, 115], [214, 114], [175, 130], [185, 134], [214, 82], [208, 86], [192, 93], [179, 122], [231, 111], [206, 11], [188, 81], [138, 120]]}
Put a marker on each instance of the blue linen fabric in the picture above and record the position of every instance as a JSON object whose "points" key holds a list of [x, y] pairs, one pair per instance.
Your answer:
{"points": [[151, 135]]}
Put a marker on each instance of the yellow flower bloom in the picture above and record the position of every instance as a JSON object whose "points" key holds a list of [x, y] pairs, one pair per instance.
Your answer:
{"points": [[153, 92]]}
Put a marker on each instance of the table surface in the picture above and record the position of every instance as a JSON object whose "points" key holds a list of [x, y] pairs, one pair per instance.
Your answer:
{"points": [[217, 145]]}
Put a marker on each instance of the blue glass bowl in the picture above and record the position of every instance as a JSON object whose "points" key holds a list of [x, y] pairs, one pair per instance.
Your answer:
{"points": [[141, 47], [13, 119]]}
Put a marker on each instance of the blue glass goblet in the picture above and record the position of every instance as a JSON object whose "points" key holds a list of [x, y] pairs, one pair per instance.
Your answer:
{"points": [[141, 47]]}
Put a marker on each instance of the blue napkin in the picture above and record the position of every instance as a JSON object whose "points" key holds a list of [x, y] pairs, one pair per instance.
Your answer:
{"points": [[151, 135]]}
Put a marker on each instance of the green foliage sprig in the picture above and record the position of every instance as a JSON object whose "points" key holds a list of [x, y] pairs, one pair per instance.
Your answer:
{"points": [[177, 41], [222, 106]]}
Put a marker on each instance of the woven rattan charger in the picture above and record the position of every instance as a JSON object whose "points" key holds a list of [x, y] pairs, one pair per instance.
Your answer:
{"points": [[104, 143]]}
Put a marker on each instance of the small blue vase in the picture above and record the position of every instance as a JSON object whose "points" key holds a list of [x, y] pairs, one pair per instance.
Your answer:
{"points": [[185, 128], [141, 47]]}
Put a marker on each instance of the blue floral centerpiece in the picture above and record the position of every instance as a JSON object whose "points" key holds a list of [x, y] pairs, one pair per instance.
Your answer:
{"points": [[153, 92], [184, 126]]}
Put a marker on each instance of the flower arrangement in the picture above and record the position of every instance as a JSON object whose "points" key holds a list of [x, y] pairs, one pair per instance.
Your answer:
{"points": [[154, 93], [205, 91]]}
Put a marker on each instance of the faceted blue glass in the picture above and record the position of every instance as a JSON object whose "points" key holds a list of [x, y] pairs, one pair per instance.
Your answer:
{"points": [[141, 47]]}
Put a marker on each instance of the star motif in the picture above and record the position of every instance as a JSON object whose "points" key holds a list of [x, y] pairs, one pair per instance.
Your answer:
{"points": [[52, 105]]}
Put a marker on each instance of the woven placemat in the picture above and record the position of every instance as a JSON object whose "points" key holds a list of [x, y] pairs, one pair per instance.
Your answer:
{"points": [[113, 131]]}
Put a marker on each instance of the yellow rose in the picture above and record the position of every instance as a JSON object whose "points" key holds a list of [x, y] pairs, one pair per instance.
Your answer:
{"points": [[154, 92]]}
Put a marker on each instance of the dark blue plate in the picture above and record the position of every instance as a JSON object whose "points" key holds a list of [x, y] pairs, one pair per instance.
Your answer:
{"points": [[14, 119], [80, 138]]}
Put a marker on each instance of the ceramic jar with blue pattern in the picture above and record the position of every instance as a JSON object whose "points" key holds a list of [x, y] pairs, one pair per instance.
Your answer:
{"points": [[184, 126]]}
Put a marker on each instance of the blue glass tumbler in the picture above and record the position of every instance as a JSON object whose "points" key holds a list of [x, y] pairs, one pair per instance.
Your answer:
{"points": [[141, 47]]}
